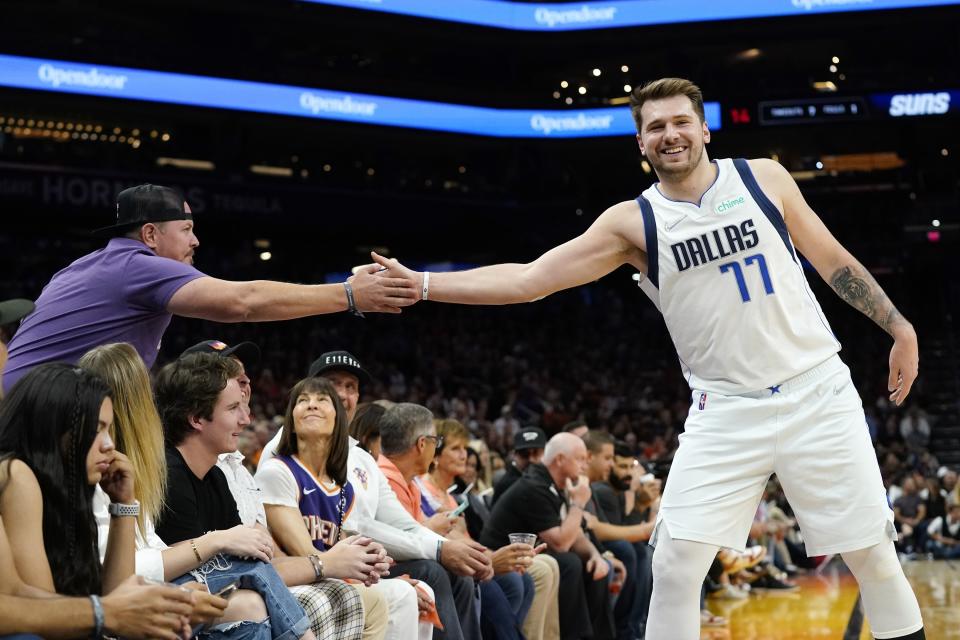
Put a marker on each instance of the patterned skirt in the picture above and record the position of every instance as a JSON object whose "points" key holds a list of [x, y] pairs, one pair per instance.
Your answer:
{"points": [[334, 608]]}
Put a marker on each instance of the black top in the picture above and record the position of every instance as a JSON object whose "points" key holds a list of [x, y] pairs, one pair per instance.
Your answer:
{"points": [[194, 505], [510, 475], [611, 502], [533, 504]]}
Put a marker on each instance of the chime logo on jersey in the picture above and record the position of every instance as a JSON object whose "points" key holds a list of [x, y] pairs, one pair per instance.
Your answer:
{"points": [[703, 401], [726, 205]]}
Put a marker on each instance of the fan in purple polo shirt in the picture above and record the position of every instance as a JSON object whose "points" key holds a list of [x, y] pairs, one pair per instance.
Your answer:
{"points": [[129, 290]]}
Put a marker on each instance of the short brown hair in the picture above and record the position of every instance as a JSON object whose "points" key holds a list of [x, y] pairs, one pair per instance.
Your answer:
{"points": [[595, 440], [188, 388], [665, 88]]}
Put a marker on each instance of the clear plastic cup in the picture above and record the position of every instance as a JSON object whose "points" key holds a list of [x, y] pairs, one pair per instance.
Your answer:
{"points": [[523, 538]]}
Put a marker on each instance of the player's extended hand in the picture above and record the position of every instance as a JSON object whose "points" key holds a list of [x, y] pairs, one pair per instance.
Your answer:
{"points": [[393, 269], [904, 364], [377, 290]]}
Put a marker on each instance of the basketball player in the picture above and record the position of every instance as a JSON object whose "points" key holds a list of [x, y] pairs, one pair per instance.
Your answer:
{"points": [[718, 243]]}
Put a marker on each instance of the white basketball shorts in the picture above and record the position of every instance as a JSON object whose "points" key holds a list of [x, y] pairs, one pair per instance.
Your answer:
{"points": [[810, 431]]}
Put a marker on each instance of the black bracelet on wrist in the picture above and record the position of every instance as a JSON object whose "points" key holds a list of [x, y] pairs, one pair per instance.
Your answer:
{"points": [[351, 301]]}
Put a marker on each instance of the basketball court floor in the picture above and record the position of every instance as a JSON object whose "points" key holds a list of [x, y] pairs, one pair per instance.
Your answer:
{"points": [[822, 608]]}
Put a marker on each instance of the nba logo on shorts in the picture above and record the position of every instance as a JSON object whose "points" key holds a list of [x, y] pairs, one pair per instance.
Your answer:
{"points": [[703, 401]]}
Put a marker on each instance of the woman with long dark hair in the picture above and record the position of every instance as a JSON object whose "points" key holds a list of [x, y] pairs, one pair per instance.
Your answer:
{"points": [[55, 447], [308, 497]]}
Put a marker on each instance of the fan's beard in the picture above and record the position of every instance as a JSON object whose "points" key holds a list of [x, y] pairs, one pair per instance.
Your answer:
{"points": [[617, 483]]}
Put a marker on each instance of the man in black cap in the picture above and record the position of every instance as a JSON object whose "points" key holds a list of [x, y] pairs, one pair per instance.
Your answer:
{"points": [[528, 444], [129, 290]]}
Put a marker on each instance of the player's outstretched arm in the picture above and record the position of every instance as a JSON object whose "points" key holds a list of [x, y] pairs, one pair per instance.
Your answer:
{"points": [[606, 245], [262, 300], [845, 274]]}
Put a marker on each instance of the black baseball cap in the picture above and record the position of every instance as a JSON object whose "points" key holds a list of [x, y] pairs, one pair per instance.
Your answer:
{"points": [[247, 352], [145, 203], [339, 361], [529, 438], [15, 309]]}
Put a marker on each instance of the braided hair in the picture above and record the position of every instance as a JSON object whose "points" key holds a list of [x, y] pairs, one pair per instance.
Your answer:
{"points": [[49, 422]]}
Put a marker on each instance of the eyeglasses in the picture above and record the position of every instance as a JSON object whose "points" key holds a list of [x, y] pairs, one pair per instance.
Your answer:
{"points": [[438, 440]]}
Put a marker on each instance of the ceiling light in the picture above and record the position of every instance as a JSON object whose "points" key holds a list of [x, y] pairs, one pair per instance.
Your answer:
{"points": [[833, 68], [749, 54], [825, 85], [564, 84], [835, 60], [627, 88], [625, 68], [268, 170], [265, 255], [935, 223], [582, 91], [186, 163], [568, 100], [596, 73]]}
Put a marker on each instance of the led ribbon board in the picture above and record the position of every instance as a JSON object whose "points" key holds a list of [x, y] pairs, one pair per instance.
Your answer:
{"points": [[620, 13], [917, 103], [241, 95]]}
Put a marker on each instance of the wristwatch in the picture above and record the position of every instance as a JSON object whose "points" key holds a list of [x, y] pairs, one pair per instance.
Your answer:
{"points": [[117, 510]]}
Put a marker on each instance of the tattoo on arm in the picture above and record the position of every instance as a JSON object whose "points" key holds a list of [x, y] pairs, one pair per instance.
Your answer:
{"points": [[861, 291]]}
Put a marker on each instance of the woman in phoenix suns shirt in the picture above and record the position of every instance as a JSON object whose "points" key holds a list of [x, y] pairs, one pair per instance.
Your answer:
{"points": [[307, 498]]}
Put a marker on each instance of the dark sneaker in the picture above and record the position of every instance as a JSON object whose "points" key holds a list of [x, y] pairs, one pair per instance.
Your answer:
{"points": [[769, 584]]}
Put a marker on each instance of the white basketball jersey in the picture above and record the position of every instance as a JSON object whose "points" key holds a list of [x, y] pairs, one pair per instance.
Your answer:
{"points": [[730, 286]]}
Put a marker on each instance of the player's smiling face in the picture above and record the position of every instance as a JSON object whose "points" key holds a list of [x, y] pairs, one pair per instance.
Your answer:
{"points": [[672, 136]]}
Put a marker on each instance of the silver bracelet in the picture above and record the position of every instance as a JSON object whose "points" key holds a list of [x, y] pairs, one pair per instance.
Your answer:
{"points": [[97, 617], [317, 566], [425, 293]]}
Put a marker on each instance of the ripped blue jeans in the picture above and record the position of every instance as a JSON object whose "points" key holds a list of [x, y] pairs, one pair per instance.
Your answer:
{"points": [[287, 620]]}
